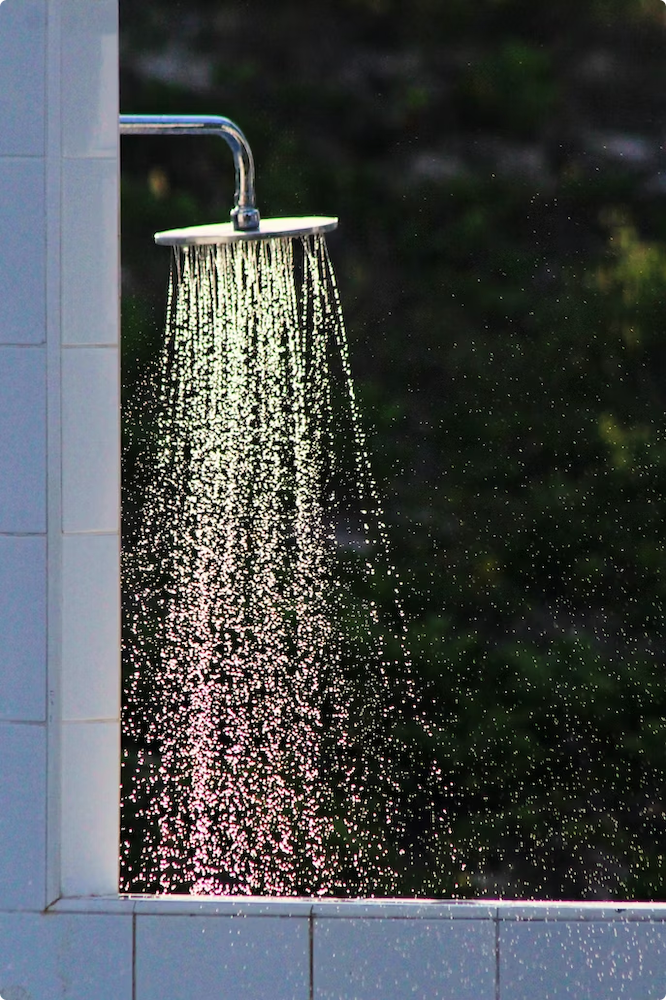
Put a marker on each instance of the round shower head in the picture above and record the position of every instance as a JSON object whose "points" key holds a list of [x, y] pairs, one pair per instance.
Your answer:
{"points": [[226, 233]]}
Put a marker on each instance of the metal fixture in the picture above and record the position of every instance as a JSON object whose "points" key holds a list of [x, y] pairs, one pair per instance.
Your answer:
{"points": [[246, 223], [225, 232], [244, 214]]}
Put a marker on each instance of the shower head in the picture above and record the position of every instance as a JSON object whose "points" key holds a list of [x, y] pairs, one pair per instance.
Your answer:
{"points": [[227, 233]]}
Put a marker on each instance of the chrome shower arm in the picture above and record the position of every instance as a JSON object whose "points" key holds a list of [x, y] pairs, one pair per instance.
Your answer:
{"points": [[244, 214]]}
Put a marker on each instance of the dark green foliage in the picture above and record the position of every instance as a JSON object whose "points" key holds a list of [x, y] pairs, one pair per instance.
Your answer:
{"points": [[511, 89], [503, 274]]}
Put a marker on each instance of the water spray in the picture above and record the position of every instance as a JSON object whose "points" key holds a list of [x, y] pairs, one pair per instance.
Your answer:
{"points": [[265, 693]]}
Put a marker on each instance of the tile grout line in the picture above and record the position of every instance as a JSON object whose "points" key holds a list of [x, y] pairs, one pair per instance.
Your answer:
{"points": [[497, 956], [23, 534], [92, 346], [134, 956], [24, 722], [16, 345], [311, 949], [53, 333]]}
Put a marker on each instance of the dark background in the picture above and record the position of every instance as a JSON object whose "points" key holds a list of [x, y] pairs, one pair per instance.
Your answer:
{"points": [[498, 171]]}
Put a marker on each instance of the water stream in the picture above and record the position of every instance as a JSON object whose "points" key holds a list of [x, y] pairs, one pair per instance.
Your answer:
{"points": [[267, 690]]}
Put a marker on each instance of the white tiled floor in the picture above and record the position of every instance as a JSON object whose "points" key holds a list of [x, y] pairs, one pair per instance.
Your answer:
{"points": [[22, 238], [23, 628], [582, 960], [22, 439], [239, 958], [23, 816], [378, 959], [68, 957]]}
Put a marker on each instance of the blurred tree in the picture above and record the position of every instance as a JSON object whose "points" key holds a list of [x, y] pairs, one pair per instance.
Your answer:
{"points": [[498, 172]]}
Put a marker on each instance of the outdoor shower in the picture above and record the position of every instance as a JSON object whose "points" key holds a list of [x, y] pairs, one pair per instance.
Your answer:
{"points": [[266, 692], [246, 223], [66, 931]]}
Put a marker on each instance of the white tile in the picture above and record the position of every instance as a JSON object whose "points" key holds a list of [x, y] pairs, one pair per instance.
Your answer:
{"points": [[22, 439], [365, 959], [22, 78], [242, 958], [22, 246], [65, 957], [90, 251], [229, 906], [90, 56], [91, 627], [93, 904], [571, 911], [23, 628], [603, 960], [412, 909], [90, 807], [90, 440], [22, 816]]}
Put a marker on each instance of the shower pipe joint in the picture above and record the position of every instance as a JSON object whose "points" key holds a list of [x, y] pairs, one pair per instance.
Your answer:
{"points": [[244, 214]]}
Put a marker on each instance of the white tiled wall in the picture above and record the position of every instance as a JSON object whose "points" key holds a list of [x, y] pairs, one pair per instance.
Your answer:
{"points": [[255, 958], [23, 627], [66, 958], [254, 949], [90, 763], [23, 479], [23, 816], [90, 56], [90, 436], [395, 958], [22, 440], [91, 627], [595, 959], [59, 450], [23, 242], [90, 250], [23, 78], [90, 461]]}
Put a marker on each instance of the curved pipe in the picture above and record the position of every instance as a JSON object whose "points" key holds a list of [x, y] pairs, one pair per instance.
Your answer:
{"points": [[244, 214]]}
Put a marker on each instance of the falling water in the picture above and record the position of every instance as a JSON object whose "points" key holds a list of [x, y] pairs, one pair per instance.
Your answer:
{"points": [[266, 698]]}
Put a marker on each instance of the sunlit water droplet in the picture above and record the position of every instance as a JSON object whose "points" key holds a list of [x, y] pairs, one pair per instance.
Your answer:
{"points": [[265, 699]]}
